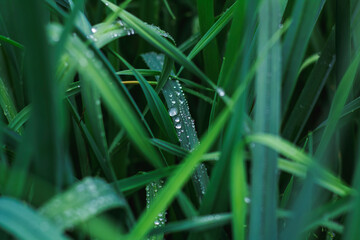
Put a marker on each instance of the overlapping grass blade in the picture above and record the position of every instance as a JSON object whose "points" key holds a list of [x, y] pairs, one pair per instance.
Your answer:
{"points": [[83, 200], [25, 223], [159, 42], [183, 122], [211, 33], [142, 179], [264, 166], [283, 147], [304, 106], [6, 102], [196, 224], [47, 142], [155, 104], [178, 179], [239, 192], [211, 52], [338, 103], [92, 71], [10, 41], [304, 17]]}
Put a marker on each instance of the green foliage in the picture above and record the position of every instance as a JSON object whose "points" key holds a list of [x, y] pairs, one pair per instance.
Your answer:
{"points": [[182, 119]]}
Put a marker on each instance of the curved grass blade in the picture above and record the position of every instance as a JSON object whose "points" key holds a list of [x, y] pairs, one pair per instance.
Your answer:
{"points": [[25, 223], [10, 41], [92, 71], [184, 125], [211, 33], [6, 102], [310, 60], [143, 72], [142, 179], [337, 105], [304, 17], [158, 41], [201, 223], [104, 33], [323, 177], [171, 148], [152, 191], [183, 173], [155, 104], [293, 126], [82, 201], [89, 138]]}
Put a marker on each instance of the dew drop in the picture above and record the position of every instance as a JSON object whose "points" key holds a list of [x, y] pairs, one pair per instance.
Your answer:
{"points": [[173, 112], [178, 126], [177, 119], [93, 30], [247, 200], [156, 222], [220, 91]]}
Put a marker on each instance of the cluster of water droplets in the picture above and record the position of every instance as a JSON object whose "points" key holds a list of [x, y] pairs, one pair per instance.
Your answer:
{"points": [[183, 122], [180, 114], [81, 202], [185, 129], [102, 32], [152, 191]]}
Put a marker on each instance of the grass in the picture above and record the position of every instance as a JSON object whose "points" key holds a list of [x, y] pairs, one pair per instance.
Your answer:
{"points": [[182, 119]]}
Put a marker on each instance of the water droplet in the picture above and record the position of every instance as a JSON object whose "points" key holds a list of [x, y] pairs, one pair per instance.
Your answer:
{"points": [[93, 30], [173, 112], [177, 119], [178, 126], [247, 200], [156, 222], [220, 91]]}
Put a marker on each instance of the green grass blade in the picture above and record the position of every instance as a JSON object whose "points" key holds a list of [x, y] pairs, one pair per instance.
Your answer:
{"points": [[196, 224], [338, 103], [293, 126], [158, 41], [177, 180], [6, 102], [264, 192], [142, 179], [327, 180], [48, 122], [25, 223], [171, 148], [155, 104], [82, 201], [342, 38], [239, 193], [152, 190], [211, 33], [352, 231], [93, 72], [183, 122], [10, 41], [304, 17], [211, 52]]}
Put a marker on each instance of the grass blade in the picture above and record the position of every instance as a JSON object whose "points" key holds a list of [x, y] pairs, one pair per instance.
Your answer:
{"points": [[25, 223], [72, 207]]}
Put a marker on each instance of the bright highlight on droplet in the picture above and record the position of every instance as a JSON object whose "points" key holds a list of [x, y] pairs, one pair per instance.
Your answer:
{"points": [[173, 112]]}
